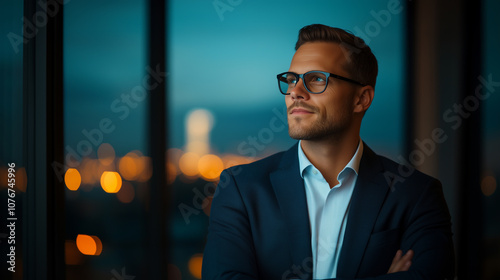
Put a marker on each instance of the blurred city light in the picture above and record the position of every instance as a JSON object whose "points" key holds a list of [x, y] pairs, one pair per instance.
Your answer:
{"points": [[147, 169], [126, 193], [89, 244], [106, 154], [111, 181], [132, 165], [188, 164], [73, 179], [194, 265], [488, 185], [199, 123], [210, 167]]}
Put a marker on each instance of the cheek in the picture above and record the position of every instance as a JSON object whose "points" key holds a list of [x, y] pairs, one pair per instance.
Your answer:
{"points": [[328, 106], [334, 108]]}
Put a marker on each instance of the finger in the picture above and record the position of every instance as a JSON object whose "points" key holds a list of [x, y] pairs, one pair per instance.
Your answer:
{"points": [[408, 256], [404, 263], [406, 266], [397, 257], [401, 263], [395, 261]]}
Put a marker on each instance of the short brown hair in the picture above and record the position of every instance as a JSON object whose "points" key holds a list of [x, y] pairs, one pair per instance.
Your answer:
{"points": [[361, 63]]}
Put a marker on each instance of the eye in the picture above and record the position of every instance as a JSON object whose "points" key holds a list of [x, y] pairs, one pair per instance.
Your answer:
{"points": [[316, 78], [290, 79]]}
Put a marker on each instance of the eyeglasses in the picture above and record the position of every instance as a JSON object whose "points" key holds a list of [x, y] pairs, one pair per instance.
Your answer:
{"points": [[314, 81]]}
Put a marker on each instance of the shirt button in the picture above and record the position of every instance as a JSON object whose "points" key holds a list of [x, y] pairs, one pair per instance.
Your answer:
{"points": [[315, 172]]}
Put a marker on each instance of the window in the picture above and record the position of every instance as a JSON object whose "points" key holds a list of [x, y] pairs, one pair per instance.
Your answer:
{"points": [[108, 168]]}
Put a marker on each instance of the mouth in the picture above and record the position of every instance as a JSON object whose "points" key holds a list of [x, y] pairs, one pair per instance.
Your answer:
{"points": [[299, 111]]}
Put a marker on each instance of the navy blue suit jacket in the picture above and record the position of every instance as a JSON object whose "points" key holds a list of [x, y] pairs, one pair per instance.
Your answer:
{"points": [[259, 225]]}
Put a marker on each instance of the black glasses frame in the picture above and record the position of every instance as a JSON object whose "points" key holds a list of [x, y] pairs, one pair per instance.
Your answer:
{"points": [[301, 76]]}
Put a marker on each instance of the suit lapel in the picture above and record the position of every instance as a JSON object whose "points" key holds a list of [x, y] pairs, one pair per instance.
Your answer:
{"points": [[289, 190], [368, 196]]}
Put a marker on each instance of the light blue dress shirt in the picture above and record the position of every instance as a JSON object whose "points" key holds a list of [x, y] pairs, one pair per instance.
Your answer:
{"points": [[328, 208]]}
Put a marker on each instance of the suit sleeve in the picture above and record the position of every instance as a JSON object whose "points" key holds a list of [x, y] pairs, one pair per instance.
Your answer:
{"points": [[229, 251], [428, 234]]}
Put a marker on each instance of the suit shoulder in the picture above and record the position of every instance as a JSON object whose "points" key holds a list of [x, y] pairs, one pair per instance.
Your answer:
{"points": [[252, 176]]}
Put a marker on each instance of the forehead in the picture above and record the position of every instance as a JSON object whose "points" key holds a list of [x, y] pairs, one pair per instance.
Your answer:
{"points": [[324, 56]]}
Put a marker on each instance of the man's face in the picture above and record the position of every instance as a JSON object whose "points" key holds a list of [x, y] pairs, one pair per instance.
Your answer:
{"points": [[328, 114]]}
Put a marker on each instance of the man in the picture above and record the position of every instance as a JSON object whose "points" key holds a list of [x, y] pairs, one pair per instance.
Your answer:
{"points": [[329, 207]]}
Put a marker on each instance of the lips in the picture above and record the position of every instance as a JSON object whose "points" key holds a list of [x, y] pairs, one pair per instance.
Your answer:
{"points": [[295, 111], [301, 108]]}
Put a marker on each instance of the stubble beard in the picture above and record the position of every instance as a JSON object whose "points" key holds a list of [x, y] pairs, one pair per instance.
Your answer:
{"points": [[321, 129]]}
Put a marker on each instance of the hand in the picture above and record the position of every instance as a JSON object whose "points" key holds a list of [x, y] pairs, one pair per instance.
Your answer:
{"points": [[400, 262]]}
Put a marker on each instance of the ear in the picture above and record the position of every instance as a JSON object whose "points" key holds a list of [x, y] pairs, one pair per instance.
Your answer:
{"points": [[364, 98]]}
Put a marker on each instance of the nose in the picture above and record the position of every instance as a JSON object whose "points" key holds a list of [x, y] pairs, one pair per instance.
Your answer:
{"points": [[299, 91]]}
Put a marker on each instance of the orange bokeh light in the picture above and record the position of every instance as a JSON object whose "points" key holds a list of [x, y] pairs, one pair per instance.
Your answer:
{"points": [[127, 167], [147, 170], [111, 182], [194, 265], [106, 154], [73, 179], [488, 185], [188, 164], [89, 244], [131, 165], [199, 147], [210, 167], [126, 193]]}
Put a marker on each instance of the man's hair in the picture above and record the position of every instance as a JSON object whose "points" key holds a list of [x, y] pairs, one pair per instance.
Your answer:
{"points": [[361, 63]]}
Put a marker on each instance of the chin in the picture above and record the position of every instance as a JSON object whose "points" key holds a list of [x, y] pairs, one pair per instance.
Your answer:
{"points": [[300, 134], [316, 132]]}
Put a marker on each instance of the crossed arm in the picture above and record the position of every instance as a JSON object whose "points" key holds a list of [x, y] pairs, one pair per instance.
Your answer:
{"points": [[231, 255], [401, 262]]}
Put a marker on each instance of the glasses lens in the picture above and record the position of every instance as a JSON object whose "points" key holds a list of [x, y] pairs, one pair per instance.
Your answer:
{"points": [[315, 81], [286, 82]]}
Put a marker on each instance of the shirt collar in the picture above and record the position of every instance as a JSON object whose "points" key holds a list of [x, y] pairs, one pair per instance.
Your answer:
{"points": [[352, 164]]}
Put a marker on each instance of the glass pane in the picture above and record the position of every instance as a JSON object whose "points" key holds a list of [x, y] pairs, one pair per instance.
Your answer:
{"points": [[224, 101], [105, 150], [491, 138], [13, 181]]}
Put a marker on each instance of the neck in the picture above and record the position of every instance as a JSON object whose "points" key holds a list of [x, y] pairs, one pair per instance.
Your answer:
{"points": [[330, 155]]}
